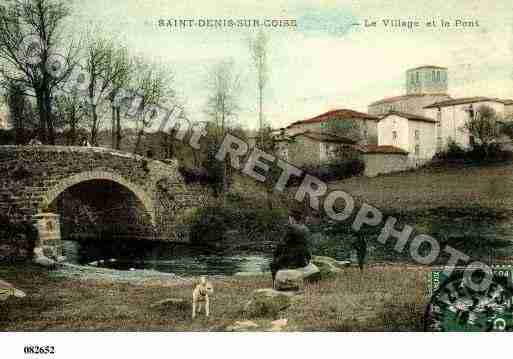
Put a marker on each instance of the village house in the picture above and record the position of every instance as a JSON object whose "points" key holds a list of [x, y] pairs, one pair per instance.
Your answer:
{"points": [[397, 132], [365, 124], [310, 148], [413, 134], [311, 143], [452, 115]]}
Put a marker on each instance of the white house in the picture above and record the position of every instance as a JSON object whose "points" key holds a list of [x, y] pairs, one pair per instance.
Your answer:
{"points": [[412, 133], [451, 116]]}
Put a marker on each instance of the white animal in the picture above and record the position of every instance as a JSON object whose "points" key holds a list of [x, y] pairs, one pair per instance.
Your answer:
{"points": [[41, 259], [201, 295]]}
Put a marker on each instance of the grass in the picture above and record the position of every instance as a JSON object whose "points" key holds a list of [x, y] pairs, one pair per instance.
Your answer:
{"points": [[484, 186], [390, 298]]}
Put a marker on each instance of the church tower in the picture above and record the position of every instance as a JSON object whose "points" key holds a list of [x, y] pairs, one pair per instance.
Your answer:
{"points": [[426, 80]]}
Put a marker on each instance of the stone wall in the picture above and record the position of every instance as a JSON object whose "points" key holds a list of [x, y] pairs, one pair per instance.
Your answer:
{"points": [[381, 163]]}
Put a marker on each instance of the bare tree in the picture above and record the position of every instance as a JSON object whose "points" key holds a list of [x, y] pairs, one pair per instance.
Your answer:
{"points": [[221, 108], [222, 104], [72, 110], [33, 53], [119, 71], [258, 48], [99, 57], [152, 88]]}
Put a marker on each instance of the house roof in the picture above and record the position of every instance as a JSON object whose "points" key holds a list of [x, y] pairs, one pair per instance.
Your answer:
{"points": [[402, 97], [341, 114], [428, 67], [381, 149], [465, 100], [323, 137], [410, 116]]}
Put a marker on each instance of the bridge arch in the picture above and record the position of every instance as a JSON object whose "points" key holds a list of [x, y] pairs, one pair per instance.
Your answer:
{"points": [[53, 192]]}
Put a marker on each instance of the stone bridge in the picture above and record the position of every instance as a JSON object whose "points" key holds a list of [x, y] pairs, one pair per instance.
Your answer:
{"points": [[43, 183]]}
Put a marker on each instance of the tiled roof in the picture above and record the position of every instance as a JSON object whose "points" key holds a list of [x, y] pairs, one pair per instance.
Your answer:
{"points": [[410, 116], [341, 114], [324, 137], [428, 67], [402, 97], [507, 102], [465, 100], [381, 149]]}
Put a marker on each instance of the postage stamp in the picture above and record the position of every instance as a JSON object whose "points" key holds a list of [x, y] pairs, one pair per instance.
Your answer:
{"points": [[456, 307]]}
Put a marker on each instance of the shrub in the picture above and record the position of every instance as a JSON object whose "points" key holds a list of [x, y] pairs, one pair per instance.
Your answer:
{"points": [[478, 154], [208, 226]]}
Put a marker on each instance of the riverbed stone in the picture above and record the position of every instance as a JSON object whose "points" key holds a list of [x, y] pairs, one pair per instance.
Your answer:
{"points": [[310, 273], [288, 279], [278, 325], [328, 267], [242, 326], [267, 302]]}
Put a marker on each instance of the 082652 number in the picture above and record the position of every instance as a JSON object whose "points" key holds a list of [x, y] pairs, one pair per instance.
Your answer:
{"points": [[39, 349]]}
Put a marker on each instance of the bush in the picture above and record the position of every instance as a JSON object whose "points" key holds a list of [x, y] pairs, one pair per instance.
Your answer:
{"points": [[478, 154], [453, 152], [208, 226]]}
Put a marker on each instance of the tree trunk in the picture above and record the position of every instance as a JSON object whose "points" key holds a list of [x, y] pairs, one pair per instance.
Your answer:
{"points": [[42, 117], [113, 127], [118, 128], [94, 128], [49, 120]]}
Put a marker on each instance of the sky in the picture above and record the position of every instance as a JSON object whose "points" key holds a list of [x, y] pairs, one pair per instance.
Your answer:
{"points": [[325, 62]]}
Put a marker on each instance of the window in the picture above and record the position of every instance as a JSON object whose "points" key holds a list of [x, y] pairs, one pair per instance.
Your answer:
{"points": [[417, 150], [417, 134], [438, 76], [417, 75], [394, 135], [433, 75], [323, 155]]}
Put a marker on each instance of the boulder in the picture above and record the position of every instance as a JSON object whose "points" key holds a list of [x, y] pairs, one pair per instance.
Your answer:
{"points": [[278, 325], [242, 326], [328, 267], [288, 279], [310, 273], [333, 261], [267, 302]]}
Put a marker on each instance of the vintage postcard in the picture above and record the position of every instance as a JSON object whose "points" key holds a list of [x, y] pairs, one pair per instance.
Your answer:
{"points": [[229, 166]]}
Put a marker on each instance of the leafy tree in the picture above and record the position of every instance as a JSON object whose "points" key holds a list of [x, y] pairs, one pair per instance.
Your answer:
{"points": [[482, 126]]}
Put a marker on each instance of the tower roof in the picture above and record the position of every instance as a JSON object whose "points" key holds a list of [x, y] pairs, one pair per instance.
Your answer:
{"points": [[428, 67]]}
